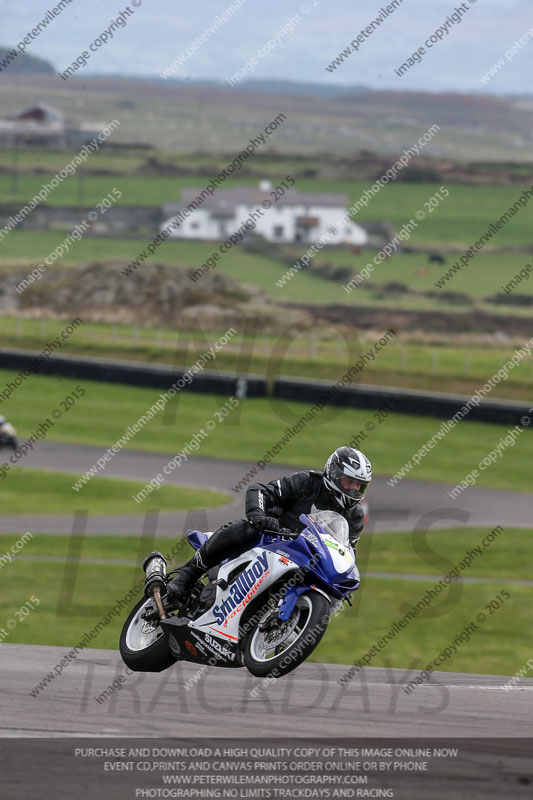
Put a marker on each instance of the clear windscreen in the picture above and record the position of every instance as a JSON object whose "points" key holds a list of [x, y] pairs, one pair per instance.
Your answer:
{"points": [[334, 524]]}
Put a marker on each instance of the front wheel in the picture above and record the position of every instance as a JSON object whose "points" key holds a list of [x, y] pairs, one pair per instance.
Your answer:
{"points": [[275, 648], [143, 645]]}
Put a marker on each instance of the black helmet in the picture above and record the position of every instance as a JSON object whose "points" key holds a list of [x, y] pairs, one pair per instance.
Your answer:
{"points": [[346, 462]]}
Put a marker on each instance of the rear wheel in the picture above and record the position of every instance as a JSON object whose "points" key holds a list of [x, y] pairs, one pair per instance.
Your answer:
{"points": [[274, 648], [143, 645]]}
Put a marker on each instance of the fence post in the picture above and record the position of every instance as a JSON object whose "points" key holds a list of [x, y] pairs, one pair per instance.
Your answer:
{"points": [[312, 347]]}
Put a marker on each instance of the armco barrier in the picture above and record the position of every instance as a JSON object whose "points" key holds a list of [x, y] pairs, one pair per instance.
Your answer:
{"points": [[159, 376], [134, 373], [404, 401]]}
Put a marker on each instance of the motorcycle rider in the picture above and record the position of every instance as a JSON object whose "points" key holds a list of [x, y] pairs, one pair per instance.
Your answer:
{"points": [[8, 434], [339, 487], [6, 429]]}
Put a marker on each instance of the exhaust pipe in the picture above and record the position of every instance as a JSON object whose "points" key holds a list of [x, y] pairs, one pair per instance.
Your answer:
{"points": [[155, 568]]}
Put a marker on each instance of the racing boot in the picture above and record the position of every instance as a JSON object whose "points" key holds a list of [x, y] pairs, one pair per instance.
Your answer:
{"points": [[182, 583], [229, 540]]}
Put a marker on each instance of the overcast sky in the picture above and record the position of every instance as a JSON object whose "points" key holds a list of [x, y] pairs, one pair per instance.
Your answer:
{"points": [[160, 30]]}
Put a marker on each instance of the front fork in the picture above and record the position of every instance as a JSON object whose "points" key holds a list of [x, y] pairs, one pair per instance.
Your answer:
{"points": [[291, 598]]}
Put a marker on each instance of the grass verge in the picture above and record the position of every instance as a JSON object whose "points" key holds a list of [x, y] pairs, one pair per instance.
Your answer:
{"points": [[39, 492], [253, 428], [498, 646]]}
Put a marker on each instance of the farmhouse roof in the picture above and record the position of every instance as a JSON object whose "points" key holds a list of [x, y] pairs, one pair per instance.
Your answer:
{"points": [[226, 200], [47, 112]]}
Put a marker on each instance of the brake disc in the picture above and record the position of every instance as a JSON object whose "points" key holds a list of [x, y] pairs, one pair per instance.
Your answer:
{"points": [[276, 636], [148, 627]]}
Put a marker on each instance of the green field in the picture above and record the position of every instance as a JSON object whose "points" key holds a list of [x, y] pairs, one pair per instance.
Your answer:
{"points": [[101, 417], [124, 160], [28, 247], [431, 553], [499, 646], [51, 493], [483, 277], [459, 220], [460, 368], [437, 552], [102, 547], [51, 160], [473, 286]]}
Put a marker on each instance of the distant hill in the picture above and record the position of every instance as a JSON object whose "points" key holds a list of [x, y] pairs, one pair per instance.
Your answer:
{"points": [[210, 117], [26, 63], [286, 87], [294, 87], [267, 85]]}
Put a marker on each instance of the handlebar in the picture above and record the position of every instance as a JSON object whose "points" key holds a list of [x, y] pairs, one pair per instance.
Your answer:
{"points": [[283, 533]]}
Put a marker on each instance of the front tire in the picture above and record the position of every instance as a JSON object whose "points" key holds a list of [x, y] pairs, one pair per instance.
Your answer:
{"points": [[143, 645], [274, 653]]}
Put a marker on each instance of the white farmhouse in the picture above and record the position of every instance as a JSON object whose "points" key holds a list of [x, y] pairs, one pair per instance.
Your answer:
{"points": [[294, 217]]}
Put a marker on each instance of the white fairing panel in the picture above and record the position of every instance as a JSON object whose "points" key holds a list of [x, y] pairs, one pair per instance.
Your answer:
{"points": [[264, 568], [343, 560]]}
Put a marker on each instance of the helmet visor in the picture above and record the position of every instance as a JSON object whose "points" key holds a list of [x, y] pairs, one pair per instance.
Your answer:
{"points": [[352, 487]]}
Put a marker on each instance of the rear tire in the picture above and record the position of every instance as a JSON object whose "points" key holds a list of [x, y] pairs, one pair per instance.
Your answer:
{"points": [[305, 629], [143, 646]]}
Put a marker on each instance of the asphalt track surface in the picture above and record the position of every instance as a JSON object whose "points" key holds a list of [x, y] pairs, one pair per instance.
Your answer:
{"points": [[189, 701], [404, 507]]}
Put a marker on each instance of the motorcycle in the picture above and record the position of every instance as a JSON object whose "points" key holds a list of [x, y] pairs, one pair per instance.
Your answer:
{"points": [[8, 436], [265, 610]]}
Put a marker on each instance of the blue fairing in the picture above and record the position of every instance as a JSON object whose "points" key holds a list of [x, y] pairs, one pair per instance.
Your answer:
{"points": [[311, 555], [197, 539]]}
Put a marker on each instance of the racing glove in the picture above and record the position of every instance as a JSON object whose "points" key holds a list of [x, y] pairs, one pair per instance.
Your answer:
{"points": [[262, 523]]}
